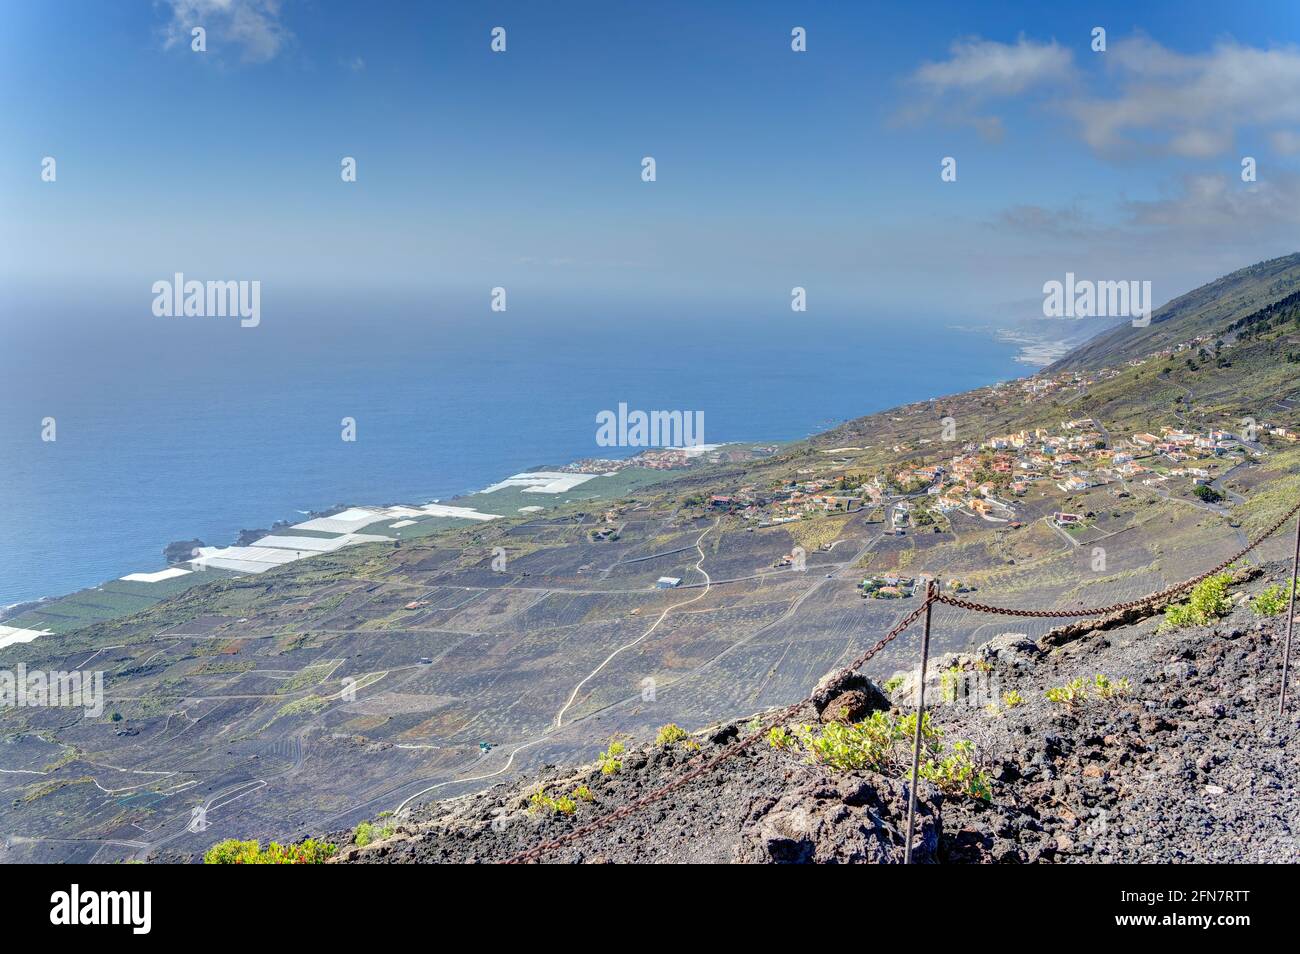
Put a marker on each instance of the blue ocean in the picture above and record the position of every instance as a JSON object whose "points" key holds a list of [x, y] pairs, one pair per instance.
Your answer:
{"points": [[174, 428]]}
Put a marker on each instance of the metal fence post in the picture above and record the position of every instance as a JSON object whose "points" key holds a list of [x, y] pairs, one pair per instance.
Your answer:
{"points": [[920, 718], [1290, 620]]}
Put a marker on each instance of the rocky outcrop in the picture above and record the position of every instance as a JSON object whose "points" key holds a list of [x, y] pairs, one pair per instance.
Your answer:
{"points": [[849, 820], [847, 696]]}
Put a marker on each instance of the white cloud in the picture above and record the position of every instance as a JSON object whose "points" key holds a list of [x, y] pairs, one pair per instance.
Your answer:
{"points": [[977, 71], [1215, 207], [987, 68], [252, 25], [1190, 104], [1144, 98]]}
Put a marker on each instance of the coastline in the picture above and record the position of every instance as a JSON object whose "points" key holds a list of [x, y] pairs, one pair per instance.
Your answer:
{"points": [[318, 532], [997, 364]]}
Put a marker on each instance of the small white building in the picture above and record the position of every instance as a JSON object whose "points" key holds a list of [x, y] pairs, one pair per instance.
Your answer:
{"points": [[668, 582]]}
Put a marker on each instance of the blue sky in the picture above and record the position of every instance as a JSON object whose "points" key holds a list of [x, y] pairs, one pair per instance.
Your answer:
{"points": [[522, 169]]}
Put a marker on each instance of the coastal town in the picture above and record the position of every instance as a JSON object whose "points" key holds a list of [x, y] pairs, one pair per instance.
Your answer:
{"points": [[990, 478]]}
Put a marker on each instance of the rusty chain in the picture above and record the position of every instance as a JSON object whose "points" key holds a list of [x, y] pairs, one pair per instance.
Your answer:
{"points": [[1130, 604], [781, 715]]}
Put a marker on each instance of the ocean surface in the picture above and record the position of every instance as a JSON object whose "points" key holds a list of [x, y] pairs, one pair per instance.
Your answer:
{"points": [[171, 429]]}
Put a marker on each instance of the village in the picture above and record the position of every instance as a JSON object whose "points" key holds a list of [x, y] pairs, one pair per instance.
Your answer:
{"points": [[987, 479]]}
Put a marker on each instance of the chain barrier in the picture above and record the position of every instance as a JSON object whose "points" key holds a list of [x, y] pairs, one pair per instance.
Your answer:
{"points": [[781, 715], [1130, 604]]}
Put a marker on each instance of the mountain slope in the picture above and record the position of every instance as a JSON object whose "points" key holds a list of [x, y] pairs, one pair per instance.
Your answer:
{"points": [[1190, 764], [1204, 310], [319, 695]]}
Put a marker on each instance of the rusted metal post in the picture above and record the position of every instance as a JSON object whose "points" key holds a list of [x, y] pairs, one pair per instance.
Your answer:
{"points": [[920, 718], [1290, 620]]}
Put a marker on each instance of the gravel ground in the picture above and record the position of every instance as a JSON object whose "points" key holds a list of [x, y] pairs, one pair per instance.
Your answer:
{"points": [[1192, 764]]}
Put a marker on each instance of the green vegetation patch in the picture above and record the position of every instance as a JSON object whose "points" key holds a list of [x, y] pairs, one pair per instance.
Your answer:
{"points": [[235, 852]]}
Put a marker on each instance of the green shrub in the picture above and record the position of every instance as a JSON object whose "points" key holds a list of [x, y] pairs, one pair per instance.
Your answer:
{"points": [[874, 743], [1271, 602], [1207, 602], [670, 734], [1011, 699], [540, 801], [1068, 694], [364, 834], [1103, 688], [957, 774], [883, 743], [1207, 493], [609, 761], [892, 683], [235, 852], [368, 831], [779, 737], [1080, 690]]}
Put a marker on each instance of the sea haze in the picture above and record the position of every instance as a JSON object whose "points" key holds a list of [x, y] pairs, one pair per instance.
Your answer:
{"points": [[175, 428]]}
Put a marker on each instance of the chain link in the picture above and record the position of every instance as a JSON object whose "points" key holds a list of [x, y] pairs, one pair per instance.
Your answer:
{"points": [[1150, 598]]}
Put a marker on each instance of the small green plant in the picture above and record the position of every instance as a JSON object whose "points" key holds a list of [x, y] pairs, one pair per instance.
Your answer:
{"points": [[1069, 694], [670, 734], [779, 737], [539, 801], [1012, 698], [1271, 602], [583, 794], [235, 852], [368, 832], [1207, 602], [957, 774], [892, 683], [869, 744], [364, 834], [1080, 690], [609, 761], [1103, 688], [883, 743]]}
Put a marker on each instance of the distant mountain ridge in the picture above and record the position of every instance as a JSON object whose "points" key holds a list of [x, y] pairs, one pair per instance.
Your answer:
{"points": [[1204, 310]]}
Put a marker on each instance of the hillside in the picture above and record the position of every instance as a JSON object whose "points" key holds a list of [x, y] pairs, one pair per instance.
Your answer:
{"points": [[1203, 311], [1190, 763], [395, 674]]}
